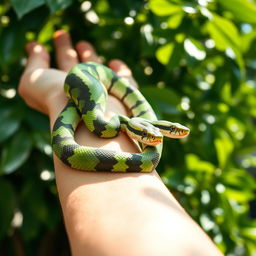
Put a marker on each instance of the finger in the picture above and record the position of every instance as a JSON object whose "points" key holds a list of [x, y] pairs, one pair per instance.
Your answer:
{"points": [[86, 52], [66, 55], [38, 57], [122, 69]]}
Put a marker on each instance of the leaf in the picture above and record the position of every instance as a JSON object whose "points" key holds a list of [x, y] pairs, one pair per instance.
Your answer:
{"points": [[163, 100], [175, 20], [42, 141], [7, 205], [56, 5], [46, 32], [243, 10], [37, 121], [247, 40], [236, 195], [33, 199], [22, 7], [11, 44], [9, 122], [226, 38], [174, 178], [220, 40], [194, 163], [239, 179], [165, 95], [236, 128], [224, 146], [164, 53], [171, 53], [102, 6], [223, 32], [250, 232], [15, 153], [10, 127], [164, 7]]}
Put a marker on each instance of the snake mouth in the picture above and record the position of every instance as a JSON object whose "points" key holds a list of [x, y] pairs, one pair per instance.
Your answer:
{"points": [[156, 142], [153, 142], [185, 134], [180, 135]]}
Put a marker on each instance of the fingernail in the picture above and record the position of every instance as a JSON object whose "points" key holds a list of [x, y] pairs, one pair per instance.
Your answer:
{"points": [[59, 33]]}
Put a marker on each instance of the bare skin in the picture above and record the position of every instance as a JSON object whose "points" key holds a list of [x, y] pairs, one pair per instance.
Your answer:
{"points": [[108, 214]]}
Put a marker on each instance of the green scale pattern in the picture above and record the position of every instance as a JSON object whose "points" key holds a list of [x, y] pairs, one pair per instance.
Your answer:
{"points": [[87, 86]]}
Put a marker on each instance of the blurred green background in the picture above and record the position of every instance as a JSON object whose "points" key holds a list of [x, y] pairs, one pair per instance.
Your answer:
{"points": [[195, 61]]}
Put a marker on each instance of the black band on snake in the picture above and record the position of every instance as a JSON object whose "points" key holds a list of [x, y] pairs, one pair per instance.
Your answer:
{"points": [[87, 86]]}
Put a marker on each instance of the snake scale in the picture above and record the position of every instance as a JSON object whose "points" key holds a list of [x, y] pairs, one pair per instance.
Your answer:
{"points": [[87, 86]]}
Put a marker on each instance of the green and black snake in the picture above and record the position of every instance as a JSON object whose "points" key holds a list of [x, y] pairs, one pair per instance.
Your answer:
{"points": [[87, 86]]}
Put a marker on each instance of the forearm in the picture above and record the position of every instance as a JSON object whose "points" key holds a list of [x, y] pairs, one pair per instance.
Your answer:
{"points": [[122, 214], [125, 214]]}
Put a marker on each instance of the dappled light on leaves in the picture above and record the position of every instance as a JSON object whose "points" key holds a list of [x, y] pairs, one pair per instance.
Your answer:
{"points": [[195, 61]]}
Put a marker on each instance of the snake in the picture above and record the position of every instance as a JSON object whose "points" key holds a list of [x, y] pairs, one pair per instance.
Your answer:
{"points": [[87, 86]]}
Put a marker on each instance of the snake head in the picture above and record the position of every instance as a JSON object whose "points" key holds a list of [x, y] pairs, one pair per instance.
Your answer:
{"points": [[141, 130], [179, 131], [172, 130]]}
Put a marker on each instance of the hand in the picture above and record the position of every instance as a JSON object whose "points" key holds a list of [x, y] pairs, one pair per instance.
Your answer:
{"points": [[40, 85], [107, 213]]}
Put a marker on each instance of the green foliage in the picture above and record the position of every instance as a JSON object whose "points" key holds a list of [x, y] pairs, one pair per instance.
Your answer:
{"points": [[195, 62]]}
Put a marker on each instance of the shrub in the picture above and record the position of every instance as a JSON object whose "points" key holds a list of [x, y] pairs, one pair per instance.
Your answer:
{"points": [[194, 61]]}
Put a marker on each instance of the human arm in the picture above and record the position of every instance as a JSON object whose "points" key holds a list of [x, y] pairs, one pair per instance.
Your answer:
{"points": [[108, 213]]}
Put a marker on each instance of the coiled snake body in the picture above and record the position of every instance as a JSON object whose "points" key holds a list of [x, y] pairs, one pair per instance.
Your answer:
{"points": [[87, 86]]}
